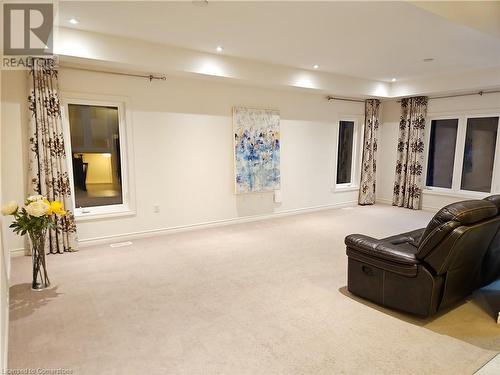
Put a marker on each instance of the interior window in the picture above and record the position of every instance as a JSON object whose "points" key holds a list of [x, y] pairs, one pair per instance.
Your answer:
{"points": [[479, 153], [95, 151], [344, 157], [443, 139]]}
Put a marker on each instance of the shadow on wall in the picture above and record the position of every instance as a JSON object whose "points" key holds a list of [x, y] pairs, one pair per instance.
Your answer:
{"points": [[472, 321], [24, 301], [255, 204]]}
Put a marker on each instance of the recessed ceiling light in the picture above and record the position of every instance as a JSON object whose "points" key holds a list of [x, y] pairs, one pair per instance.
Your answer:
{"points": [[316, 66], [393, 80], [73, 21], [429, 59], [220, 48]]}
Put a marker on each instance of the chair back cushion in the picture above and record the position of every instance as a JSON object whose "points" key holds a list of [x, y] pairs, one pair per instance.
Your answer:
{"points": [[495, 199], [456, 243], [450, 217]]}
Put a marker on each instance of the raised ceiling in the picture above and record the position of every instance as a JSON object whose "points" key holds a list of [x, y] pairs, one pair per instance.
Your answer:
{"points": [[375, 40]]}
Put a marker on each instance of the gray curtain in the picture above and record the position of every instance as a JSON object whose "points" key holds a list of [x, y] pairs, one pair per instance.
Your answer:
{"points": [[47, 158], [369, 164], [409, 166]]}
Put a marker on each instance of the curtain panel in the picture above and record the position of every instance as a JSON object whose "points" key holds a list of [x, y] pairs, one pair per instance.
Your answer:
{"points": [[410, 154], [369, 163], [47, 157]]}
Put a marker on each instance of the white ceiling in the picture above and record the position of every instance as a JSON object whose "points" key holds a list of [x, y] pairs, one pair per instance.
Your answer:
{"points": [[375, 40]]}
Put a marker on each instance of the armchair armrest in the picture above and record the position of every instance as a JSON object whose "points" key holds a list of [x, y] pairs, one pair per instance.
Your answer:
{"points": [[413, 237], [380, 250]]}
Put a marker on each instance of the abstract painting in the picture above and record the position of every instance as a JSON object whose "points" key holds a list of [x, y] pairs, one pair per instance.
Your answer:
{"points": [[256, 149]]}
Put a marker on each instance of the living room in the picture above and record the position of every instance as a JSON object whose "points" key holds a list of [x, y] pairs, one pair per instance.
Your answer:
{"points": [[230, 182]]}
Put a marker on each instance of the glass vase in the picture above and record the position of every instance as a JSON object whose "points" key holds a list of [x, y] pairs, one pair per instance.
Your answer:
{"points": [[40, 277]]}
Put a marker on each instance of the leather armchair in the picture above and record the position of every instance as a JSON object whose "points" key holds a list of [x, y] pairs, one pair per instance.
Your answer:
{"points": [[491, 264], [429, 269]]}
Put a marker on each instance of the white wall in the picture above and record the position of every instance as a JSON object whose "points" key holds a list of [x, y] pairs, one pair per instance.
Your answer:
{"points": [[4, 285], [14, 143], [182, 141], [388, 137], [4, 301]]}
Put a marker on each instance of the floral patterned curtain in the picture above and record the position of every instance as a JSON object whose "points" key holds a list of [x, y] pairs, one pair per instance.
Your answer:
{"points": [[47, 158], [369, 164], [409, 166]]}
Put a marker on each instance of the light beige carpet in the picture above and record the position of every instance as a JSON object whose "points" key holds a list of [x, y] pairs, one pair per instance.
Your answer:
{"points": [[259, 298]]}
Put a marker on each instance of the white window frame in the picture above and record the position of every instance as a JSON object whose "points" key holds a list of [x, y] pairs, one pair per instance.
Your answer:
{"points": [[126, 208], [356, 154], [456, 190]]}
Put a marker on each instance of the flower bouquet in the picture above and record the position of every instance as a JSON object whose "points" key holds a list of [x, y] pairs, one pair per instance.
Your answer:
{"points": [[36, 217]]}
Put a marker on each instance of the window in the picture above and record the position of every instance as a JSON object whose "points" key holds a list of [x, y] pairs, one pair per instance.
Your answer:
{"points": [[479, 154], [462, 155], [442, 153], [345, 152], [97, 163]]}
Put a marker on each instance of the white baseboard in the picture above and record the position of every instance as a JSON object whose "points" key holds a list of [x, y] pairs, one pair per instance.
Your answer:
{"points": [[383, 200], [431, 209], [211, 224], [17, 252], [424, 208]]}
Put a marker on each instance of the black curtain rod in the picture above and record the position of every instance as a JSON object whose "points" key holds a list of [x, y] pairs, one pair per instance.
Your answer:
{"points": [[151, 77]]}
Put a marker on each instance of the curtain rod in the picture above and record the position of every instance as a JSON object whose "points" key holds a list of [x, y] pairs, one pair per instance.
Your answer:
{"points": [[480, 93], [151, 77], [344, 99]]}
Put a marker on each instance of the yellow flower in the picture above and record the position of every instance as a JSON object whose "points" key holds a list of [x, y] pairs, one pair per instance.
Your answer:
{"points": [[57, 208]]}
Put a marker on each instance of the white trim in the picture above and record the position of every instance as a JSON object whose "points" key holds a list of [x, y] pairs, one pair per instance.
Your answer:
{"points": [[127, 208], [462, 113], [424, 208], [345, 187], [210, 224], [14, 253], [455, 194], [108, 214], [384, 201]]}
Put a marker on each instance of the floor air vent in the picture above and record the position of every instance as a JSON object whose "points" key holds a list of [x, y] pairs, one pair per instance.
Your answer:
{"points": [[121, 244]]}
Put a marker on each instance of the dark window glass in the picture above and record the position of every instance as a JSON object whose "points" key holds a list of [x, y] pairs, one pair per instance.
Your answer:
{"points": [[479, 153], [441, 160], [344, 160], [95, 150]]}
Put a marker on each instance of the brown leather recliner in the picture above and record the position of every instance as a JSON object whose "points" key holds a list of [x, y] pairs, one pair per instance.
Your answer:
{"points": [[491, 264], [432, 268]]}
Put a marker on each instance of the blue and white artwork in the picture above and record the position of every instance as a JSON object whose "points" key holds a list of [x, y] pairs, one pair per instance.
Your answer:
{"points": [[256, 149]]}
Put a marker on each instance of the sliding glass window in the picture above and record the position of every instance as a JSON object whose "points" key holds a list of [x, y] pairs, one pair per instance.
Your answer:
{"points": [[345, 152], [463, 154], [479, 154], [442, 142], [95, 155]]}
